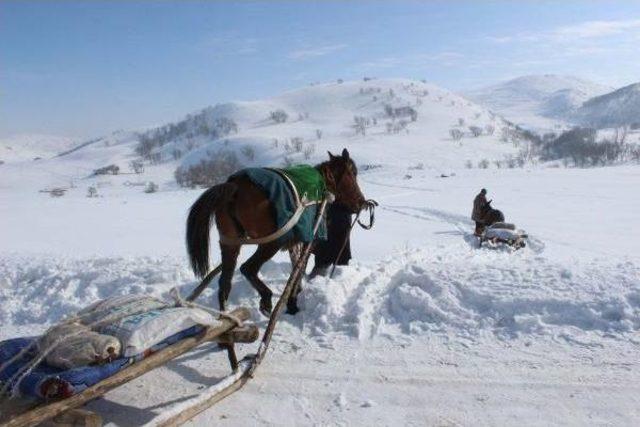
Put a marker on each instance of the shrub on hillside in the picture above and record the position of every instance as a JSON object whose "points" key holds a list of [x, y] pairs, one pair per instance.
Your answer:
{"points": [[580, 147], [208, 172], [107, 170], [278, 116], [193, 126]]}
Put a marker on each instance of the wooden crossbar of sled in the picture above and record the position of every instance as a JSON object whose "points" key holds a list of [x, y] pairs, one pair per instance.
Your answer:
{"points": [[66, 411]]}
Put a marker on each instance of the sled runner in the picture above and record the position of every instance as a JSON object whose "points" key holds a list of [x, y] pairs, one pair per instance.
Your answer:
{"points": [[503, 234]]}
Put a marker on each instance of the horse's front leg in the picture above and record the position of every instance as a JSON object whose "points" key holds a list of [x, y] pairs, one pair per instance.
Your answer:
{"points": [[295, 252]]}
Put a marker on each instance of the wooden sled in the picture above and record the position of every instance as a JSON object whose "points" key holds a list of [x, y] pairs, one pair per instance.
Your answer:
{"points": [[503, 234], [67, 411]]}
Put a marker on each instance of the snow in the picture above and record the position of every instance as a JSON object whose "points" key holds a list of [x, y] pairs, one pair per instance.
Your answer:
{"points": [[618, 108], [31, 146], [539, 102], [422, 328]]}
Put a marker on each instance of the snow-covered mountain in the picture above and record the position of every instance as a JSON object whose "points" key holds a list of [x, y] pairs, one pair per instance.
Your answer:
{"points": [[620, 107], [31, 146], [392, 124], [538, 101]]}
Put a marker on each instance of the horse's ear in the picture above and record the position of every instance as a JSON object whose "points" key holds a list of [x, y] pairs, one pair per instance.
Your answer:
{"points": [[345, 154], [331, 156]]}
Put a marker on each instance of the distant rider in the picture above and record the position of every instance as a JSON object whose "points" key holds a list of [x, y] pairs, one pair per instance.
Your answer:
{"points": [[478, 204]]}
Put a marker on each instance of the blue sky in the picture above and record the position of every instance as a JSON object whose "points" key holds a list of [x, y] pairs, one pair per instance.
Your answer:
{"points": [[84, 68]]}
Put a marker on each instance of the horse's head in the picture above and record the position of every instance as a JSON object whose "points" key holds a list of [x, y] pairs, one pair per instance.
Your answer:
{"points": [[340, 174], [486, 209]]}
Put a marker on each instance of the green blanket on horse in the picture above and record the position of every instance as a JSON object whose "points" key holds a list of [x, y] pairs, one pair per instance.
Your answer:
{"points": [[308, 181], [310, 186]]}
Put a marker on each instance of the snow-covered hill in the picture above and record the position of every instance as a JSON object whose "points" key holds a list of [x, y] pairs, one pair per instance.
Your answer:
{"points": [[620, 107], [538, 101], [32, 146], [394, 124]]}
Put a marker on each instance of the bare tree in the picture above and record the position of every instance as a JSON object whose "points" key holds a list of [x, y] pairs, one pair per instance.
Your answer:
{"points": [[489, 129], [476, 131], [297, 144], [136, 166], [176, 153], [360, 125], [249, 152], [309, 150], [456, 134]]}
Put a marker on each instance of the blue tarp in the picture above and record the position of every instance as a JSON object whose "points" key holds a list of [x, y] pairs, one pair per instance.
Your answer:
{"points": [[57, 383]]}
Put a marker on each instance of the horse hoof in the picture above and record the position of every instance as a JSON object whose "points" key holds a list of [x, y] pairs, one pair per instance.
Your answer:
{"points": [[264, 312], [265, 307], [292, 309]]}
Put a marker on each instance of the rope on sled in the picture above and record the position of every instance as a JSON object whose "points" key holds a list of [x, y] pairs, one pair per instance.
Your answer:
{"points": [[11, 386]]}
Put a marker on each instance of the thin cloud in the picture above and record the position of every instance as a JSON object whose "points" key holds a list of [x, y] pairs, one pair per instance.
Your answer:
{"points": [[446, 59], [229, 45], [315, 52], [596, 29], [584, 31]]}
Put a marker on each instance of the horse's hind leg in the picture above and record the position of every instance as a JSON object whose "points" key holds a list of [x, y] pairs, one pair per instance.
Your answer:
{"points": [[251, 268], [229, 259]]}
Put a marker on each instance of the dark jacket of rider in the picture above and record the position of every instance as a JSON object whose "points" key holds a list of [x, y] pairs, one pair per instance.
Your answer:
{"points": [[478, 204], [326, 251]]}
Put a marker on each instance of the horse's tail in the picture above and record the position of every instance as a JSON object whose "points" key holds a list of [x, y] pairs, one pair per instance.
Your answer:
{"points": [[199, 223]]}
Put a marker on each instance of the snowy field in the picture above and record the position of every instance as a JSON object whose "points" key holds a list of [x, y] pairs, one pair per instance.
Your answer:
{"points": [[423, 328]]}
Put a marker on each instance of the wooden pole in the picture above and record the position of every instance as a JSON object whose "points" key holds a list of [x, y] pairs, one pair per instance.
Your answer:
{"points": [[50, 410], [205, 282], [277, 310], [248, 367]]}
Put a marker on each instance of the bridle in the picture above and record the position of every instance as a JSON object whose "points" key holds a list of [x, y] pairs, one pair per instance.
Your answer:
{"points": [[343, 173]]}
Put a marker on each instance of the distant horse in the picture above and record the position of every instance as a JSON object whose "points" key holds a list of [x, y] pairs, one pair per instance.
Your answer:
{"points": [[240, 205], [490, 215]]}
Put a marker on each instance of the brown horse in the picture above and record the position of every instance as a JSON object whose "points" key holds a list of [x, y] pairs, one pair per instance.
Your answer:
{"points": [[239, 205], [490, 215]]}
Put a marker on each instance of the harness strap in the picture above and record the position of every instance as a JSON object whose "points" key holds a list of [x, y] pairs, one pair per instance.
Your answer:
{"points": [[301, 205]]}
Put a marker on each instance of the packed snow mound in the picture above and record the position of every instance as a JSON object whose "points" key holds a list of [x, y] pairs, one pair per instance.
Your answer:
{"points": [[458, 293], [528, 100], [618, 108], [32, 146]]}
